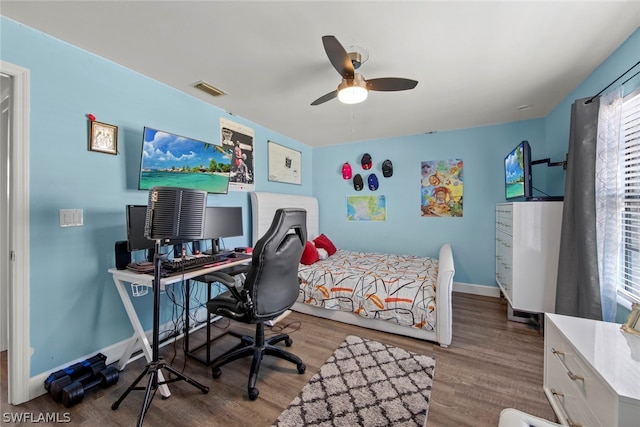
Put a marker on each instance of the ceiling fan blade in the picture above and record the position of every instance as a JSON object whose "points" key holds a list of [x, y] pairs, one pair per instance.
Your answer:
{"points": [[390, 84], [325, 98], [338, 56]]}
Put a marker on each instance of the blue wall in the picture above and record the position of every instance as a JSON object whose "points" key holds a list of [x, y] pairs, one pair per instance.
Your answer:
{"points": [[75, 310], [472, 237], [557, 122]]}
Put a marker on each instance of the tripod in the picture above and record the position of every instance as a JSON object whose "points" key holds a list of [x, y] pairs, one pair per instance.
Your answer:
{"points": [[156, 364]]}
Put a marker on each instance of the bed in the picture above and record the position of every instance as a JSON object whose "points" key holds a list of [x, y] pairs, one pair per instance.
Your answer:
{"points": [[401, 294]]}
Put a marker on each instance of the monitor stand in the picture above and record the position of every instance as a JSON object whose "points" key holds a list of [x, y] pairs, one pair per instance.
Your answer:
{"points": [[545, 199], [151, 254], [215, 247]]}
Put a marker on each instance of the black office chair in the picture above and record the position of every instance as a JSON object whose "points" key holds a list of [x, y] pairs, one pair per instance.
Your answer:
{"points": [[270, 288]]}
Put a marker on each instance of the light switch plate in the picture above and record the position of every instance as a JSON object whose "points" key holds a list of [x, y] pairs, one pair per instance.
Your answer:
{"points": [[71, 218]]}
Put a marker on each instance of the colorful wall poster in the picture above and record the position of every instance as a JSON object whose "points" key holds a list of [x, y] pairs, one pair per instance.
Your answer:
{"points": [[441, 188], [366, 208]]}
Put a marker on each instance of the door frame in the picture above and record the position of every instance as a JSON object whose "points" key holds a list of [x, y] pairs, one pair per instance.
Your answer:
{"points": [[19, 350]]}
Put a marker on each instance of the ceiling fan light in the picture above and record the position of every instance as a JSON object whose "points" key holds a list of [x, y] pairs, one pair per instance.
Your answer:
{"points": [[352, 94], [353, 91]]}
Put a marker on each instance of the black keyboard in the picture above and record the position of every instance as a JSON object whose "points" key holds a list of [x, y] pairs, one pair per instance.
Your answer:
{"points": [[190, 263]]}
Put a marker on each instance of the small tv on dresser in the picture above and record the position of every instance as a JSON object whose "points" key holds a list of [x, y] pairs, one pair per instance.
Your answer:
{"points": [[517, 173]]}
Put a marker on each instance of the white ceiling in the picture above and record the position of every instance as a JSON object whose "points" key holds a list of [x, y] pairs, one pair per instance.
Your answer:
{"points": [[476, 61]]}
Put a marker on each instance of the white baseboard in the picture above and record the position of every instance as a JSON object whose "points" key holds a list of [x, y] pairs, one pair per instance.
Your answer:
{"points": [[470, 288]]}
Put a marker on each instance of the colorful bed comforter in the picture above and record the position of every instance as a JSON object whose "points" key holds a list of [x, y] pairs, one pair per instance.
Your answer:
{"points": [[397, 288]]}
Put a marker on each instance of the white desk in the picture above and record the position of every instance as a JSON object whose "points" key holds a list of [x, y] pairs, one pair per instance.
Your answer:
{"points": [[121, 277]]}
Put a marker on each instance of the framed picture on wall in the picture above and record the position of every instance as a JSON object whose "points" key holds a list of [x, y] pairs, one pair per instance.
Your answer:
{"points": [[632, 325], [284, 164], [103, 138]]}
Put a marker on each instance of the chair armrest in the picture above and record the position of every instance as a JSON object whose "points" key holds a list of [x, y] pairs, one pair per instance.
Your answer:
{"points": [[229, 282], [223, 278]]}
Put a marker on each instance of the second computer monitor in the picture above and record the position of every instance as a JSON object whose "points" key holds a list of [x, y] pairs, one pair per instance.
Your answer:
{"points": [[222, 221]]}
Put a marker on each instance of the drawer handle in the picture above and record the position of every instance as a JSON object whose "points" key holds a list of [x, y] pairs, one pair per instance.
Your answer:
{"points": [[557, 394], [560, 355]]}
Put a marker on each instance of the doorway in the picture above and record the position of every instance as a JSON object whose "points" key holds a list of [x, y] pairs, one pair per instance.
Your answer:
{"points": [[5, 106], [14, 232]]}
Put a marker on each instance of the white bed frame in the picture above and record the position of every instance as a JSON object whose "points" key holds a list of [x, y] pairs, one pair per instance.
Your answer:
{"points": [[263, 208]]}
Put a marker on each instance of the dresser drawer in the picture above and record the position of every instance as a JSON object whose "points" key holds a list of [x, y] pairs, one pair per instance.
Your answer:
{"points": [[504, 218], [561, 389], [571, 412], [567, 373]]}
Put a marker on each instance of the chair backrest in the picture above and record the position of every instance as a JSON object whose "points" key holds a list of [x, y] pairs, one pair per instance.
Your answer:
{"points": [[272, 282]]}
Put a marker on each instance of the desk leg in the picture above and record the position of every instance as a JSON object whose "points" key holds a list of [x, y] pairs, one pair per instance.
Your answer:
{"points": [[124, 359], [138, 335]]}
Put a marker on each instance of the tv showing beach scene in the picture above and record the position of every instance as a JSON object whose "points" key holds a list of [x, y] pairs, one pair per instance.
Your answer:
{"points": [[170, 160], [517, 172]]}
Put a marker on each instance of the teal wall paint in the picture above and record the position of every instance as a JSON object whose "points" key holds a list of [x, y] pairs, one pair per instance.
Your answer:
{"points": [[406, 232], [557, 122], [75, 309]]}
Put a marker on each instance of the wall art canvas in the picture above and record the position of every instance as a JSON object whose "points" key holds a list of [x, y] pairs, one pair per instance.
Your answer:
{"points": [[366, 208], [237, 142], [441, 188], [170, 160]]}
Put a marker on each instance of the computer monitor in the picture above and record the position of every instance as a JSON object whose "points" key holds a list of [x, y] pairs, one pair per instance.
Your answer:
{"points": [[222, 221], [136, 239]]}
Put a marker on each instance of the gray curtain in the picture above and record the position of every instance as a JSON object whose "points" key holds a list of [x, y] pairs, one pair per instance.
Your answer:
{"points": [[578, 288]]}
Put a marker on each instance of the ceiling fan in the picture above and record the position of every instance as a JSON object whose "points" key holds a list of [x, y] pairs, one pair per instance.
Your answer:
{"points": [[354, 88]]}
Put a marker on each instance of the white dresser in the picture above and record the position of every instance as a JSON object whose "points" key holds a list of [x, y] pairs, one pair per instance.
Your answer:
{"points": [[527, 248], [591, 372]]}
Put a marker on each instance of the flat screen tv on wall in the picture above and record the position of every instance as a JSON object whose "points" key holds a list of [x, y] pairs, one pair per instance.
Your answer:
{"points": [[170, 160], [517, 172]]}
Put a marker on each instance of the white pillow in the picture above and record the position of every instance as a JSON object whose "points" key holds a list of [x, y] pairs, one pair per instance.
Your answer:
{"points": [[323, 253]]}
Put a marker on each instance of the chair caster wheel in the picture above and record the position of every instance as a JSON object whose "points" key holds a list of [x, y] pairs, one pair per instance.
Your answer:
{"points": [[301, 368], [253, 393], [216, 372], [288, 342]]}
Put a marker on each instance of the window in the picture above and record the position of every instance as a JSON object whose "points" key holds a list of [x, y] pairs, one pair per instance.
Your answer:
{"points": [[629, 283]]}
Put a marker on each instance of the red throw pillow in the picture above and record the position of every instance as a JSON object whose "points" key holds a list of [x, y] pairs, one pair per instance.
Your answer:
{"points": [[310, 254], [323, 242]]}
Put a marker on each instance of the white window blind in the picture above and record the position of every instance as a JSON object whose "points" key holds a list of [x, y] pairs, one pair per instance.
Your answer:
{"points": [[629, 285]]}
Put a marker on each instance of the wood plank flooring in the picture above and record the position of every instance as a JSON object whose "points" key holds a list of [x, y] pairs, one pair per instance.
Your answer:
{"points": [[492, 364]]}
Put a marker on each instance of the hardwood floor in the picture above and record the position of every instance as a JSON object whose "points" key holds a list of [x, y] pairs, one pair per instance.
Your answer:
{"points": [[492, 364]]}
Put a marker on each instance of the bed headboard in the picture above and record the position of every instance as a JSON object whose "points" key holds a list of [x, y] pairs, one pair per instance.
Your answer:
{"points": [[264, 206]]}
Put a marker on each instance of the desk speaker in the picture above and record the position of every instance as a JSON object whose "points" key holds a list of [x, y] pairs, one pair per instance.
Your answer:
{"points": [[123, 256]]}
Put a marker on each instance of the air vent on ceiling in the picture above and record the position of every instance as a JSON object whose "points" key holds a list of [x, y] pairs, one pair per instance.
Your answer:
{"points": [[210, 89]]}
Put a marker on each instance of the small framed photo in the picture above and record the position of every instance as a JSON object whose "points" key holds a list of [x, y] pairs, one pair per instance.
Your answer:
{"points": [[103, 138], [632, 325]]}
